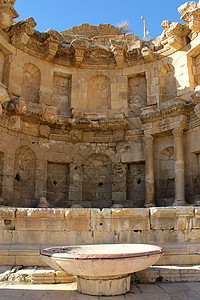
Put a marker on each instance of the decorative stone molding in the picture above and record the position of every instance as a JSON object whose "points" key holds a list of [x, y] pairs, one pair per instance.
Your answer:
{"points": [[79, 47], [7, 13], [172, 110], [20, 32], [174, 34], [52, 43], [147, 54], [118, 48]]}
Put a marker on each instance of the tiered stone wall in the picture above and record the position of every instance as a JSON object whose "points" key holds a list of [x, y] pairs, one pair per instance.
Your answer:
{"points": [[24, 231]]}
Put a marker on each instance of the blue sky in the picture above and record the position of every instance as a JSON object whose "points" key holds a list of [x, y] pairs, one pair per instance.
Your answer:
{"points": [[64, 14]]}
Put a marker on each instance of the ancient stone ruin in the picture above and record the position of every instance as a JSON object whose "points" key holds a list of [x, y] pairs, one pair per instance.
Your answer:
{"points": [[99, 137], [91, 117]]}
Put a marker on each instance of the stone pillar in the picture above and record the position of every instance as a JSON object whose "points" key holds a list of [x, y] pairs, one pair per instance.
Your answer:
{"points": [[179, 167], [149, 171]]}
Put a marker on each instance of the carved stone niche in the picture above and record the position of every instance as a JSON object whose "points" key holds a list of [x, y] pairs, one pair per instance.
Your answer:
{"points": [[196, 100], [7, 13], [20, 32], [174, 34]]}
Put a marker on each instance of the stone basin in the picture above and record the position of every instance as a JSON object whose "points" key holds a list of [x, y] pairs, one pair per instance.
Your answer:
{"points": [[102, 269]]}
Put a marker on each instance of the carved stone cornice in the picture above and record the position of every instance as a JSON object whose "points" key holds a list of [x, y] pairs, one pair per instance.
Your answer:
{"points": [[79, 46], [20, 32], [172, 110], [174, 34], [190, 13], [147, 54], [118, 48], [97, 121], [7, 14], [51, 44]]}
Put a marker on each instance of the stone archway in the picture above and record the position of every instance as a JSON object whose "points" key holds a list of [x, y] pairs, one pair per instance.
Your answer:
{"points": [[97, 181]]}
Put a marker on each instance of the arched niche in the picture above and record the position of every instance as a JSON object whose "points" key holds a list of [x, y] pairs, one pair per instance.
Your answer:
{"points": [[31, 83], [167, 83], [166, 183], [97, 181], [24, 177], [99, 93]]}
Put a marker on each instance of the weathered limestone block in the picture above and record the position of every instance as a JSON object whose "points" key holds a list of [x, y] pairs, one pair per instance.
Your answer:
{"points": [[7, 218], [130, 219], [196, 219], [44, 131], [79, 48], [101, 220], [7, 14], [20, 31], [174, 34], [184, 217], [50, 114], [4, 97], [196, 100], [163, 218], [172, 218], [52, 43], [40, 219], [147, 54], [77, 219], [190, 12], [118, 49]]}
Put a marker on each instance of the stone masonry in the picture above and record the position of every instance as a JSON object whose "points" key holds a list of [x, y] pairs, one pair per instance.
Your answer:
{"points": [[93, 118]]}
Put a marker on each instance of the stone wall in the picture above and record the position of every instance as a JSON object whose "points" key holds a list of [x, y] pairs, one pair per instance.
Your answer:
{"points": [[23, 232]]}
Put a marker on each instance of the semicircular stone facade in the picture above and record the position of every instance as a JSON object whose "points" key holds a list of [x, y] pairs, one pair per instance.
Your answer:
{"points": [[94, 118]]}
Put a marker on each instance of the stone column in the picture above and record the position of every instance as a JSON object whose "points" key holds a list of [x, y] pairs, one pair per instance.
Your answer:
{"points": [[179, 167], [149, 171]]}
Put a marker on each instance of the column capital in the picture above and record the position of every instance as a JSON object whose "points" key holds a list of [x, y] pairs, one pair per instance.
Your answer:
{"points": [[177, 132], [148, 138]]}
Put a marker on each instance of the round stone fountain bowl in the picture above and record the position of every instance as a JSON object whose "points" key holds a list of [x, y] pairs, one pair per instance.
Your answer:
{"points": [[102, 269]]}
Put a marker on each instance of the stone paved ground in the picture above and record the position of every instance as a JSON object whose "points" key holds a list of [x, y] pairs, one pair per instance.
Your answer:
{"points": [[158, 291]]}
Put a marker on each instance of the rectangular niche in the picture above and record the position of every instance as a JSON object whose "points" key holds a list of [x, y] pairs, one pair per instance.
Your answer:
{"points": [[57, 184], [197, 65], [137, 94], [61, 96], [136, 183]]}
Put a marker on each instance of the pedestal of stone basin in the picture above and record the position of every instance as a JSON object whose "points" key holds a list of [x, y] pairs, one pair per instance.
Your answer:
{"points": [[102, 270]]}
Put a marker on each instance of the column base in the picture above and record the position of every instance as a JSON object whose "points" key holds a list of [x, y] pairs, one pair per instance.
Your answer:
{"points": [[148, 205], [104, 286], [180, 203]]}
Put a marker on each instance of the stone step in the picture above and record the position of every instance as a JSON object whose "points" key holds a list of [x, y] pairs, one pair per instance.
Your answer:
{"points": [[45, 275], [34, 275], [171, 273]]}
